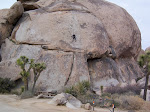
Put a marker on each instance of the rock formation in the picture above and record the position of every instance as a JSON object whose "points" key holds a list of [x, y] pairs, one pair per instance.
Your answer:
{"points": [[78, 40], [147, 49]]}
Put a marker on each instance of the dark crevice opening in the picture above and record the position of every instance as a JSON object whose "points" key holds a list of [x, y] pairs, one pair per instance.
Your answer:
{"points": [[19, 83]]}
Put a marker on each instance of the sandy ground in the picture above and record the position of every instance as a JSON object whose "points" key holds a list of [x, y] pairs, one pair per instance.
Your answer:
{"points": [[11, 103]]}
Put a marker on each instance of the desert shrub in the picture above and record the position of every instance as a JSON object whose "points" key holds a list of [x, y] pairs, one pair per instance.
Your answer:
{"points": [[136, 89], [16, 92], [79, 89], [6, 85], [145, 107], [106, 95], [82, 87], [22, 89], [130, 102], [71, 90]]}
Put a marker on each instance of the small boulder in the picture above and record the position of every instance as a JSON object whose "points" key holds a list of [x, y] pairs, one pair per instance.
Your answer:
{"points": [[123, 84], [65, 98], [133, 82], [59, 99], [74, 101], [88, 106], [40, 96]]}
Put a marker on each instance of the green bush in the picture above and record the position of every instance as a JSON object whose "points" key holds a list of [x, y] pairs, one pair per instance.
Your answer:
{"points": [[71, 90], [79, 89], [6, 85]]}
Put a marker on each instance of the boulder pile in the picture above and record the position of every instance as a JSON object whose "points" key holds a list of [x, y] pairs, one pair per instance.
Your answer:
{"points": [[78, 40]]}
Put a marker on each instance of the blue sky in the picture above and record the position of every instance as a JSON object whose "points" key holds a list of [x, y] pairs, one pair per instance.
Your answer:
{"points": [[139, 9]]}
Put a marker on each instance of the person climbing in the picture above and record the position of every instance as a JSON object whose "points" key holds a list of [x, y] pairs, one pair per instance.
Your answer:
{"points": [[74, 37]]}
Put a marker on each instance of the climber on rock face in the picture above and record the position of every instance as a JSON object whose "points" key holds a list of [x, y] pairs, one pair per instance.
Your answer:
{"points": [[74, 37]]}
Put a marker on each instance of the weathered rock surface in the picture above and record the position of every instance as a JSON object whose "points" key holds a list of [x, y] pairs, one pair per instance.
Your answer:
{"points": [[66, 99], [8, 18], [86, 106], [147, 49], [77, 39], [107, 72], [30, 6]]}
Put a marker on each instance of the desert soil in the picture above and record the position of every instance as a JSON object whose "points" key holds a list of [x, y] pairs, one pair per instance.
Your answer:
{"points": [[11, 103]]}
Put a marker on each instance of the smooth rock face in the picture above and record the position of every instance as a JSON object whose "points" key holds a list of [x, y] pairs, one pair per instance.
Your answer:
{"points": [[59, 27], [77, 39], [127, 41]]}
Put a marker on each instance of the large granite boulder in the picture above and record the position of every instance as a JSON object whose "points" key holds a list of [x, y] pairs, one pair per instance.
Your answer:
{"points": [[78, 40], [8, 18]]}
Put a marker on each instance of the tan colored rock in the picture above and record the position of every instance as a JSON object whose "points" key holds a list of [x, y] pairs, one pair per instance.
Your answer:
{"points": [[129, 69], [62, 67], [123, 32], [126, 41], [65, 98], [8, 18], [88, 106], [59, 99], [147, 49], [107, 72], [77, 39], [104, 72], [30, 6], [66, 27]]}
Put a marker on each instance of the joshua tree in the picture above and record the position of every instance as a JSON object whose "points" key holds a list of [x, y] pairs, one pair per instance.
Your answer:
{"points": [[144, 62], [37, 69], [22, 62]]}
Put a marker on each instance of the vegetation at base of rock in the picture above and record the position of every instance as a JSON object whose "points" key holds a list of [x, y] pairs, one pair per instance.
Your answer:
{"points": [[6, 85], [130, 102], [23, 63], [37, 69], [22, 89], [26, 65], [79, 89], [144, 62], [135, 89]]}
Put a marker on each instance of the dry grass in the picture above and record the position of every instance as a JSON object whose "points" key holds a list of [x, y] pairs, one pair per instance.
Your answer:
{"points": [[136, 89], [130, 102], [146, 107]]}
